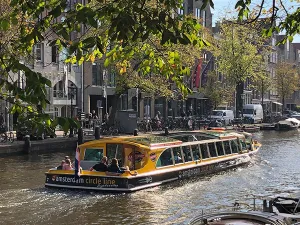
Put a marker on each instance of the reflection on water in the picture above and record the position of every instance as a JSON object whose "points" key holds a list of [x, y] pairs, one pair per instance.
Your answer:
{"points": [[24, 200]]}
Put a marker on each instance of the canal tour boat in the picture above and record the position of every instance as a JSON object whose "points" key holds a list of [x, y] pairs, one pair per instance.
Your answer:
{"points": [[154, 160]]}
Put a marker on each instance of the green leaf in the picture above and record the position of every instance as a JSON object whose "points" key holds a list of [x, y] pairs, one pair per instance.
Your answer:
{"points": [[106, 62], [5, 25], [92, 22]]}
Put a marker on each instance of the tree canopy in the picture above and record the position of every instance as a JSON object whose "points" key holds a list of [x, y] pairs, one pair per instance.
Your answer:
{"points": [[87, 31], [239, 52], [282, 15], [115, 31], [286, 80]]}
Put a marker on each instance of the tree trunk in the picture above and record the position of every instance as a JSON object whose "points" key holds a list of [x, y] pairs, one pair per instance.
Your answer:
{"points": [[114, 106], [239, 101]]}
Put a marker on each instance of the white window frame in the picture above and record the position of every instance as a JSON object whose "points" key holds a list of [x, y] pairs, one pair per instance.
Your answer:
{"points": [[204, 18], [56, 54], [56, 112], [197, 13], [273, 42], [181, 11], [39, 47]]}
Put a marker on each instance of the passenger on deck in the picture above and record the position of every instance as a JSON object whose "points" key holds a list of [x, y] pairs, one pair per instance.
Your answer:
{"points": [[114, 167], [177, 158], [101, 166], [67, 165], [61, 165], [67, 157]]}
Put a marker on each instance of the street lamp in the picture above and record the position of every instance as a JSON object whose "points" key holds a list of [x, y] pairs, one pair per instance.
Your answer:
{"points": [[72, 93]]}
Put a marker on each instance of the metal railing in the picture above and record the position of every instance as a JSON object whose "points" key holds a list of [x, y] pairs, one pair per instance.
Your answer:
{"points": [[61, 95]]}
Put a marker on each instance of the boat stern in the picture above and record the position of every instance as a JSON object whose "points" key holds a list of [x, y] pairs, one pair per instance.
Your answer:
{"points": [[65, 179]]}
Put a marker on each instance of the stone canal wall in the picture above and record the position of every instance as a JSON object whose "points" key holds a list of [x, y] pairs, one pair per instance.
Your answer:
{"points": [[41, 146]]}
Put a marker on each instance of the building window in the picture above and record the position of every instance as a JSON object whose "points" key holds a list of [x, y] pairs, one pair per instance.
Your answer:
{"points": [[147, 107], [39, 51], [124, 102], [181, 10], [273, 41], [54, 54], [111, 82], [159, 106], [56, 112], [97, 74], [197, 13], [204, 19]]}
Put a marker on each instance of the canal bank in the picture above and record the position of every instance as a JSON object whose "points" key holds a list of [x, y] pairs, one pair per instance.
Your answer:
{"points": [[25, 200], [62, 143], [41, 146]]}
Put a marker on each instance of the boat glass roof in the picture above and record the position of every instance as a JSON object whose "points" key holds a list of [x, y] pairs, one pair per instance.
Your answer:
{"points": [[152, 140]]}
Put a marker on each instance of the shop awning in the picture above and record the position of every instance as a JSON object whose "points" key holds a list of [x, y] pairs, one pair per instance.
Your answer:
{"points": [[277, 103], [255, 101]]}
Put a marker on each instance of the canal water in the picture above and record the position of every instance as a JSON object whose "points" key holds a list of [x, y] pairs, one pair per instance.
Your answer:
{"points": [[24, 200]]}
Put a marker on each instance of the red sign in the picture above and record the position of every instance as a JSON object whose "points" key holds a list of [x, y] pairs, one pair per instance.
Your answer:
{"points": [[198, 74]]}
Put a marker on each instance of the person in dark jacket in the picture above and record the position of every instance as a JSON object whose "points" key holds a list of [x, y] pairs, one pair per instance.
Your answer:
{"points": [[101, 167], [114, 167], [61, 165]]}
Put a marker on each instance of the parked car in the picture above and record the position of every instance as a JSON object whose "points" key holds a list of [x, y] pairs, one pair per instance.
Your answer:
{"points": [[225, 116], [253, 112], [290, 114]]}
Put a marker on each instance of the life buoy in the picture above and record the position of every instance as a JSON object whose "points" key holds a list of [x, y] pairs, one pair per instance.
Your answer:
{"points": [[218, 128]]}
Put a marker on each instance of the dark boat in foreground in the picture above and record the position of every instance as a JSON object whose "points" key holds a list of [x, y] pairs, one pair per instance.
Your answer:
{"points": [[279, 211]]}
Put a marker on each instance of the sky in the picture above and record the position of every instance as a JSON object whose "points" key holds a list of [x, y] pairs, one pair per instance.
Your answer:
{"points": [[225, 7]]}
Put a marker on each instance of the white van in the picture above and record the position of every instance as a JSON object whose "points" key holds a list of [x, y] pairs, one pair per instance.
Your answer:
{"points": [[226, 116], [254, 112]]}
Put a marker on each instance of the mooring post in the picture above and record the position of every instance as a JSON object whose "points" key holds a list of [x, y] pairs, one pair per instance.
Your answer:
{"points": [[271, 206], [80, 136], [135, 132], [27, 144], [265, 207], [97, 132], [166, 131]]}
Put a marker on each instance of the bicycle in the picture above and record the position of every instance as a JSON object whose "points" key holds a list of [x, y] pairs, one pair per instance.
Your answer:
{"points": [[7, 136]]}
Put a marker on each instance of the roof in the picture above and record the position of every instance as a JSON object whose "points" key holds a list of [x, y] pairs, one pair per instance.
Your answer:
{"points": [[160, 140], [149, 140], [154, 141]]}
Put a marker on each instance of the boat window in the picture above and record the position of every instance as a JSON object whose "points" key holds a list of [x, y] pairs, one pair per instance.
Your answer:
{"points": [[192, 138], [165, 159], [115, 151], [177, 155], [202, 137], [93, 154], [204, 151], [183, 138], [187, 153], [212, 149], [195, 151], [219, 147], [243, 144], [227, 147], [234, 146]]}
